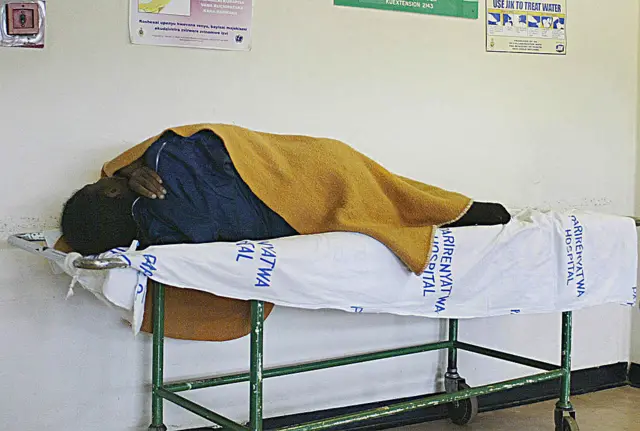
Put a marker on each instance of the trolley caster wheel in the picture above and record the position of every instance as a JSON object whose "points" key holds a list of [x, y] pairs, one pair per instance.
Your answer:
{"points": [[569, 424], [465, 411]]}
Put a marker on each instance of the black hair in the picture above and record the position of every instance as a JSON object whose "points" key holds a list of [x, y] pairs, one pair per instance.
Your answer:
{"points": [[93, 223]]}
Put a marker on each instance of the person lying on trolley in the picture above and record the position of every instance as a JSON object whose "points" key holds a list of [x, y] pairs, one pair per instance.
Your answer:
{"points": [[186, 190]]}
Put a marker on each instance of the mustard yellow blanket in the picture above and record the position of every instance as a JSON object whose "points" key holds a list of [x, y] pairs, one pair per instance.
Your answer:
{"points": [[317, 185], [322, 185]]}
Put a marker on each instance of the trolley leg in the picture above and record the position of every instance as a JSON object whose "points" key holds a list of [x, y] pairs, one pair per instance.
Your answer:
{"points": [[452, 376], [460, 412], [564, 406], [256, 368], [158, 358]]}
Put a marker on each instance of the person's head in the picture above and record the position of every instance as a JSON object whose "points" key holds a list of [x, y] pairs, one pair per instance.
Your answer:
{"points": [[98, 218]]}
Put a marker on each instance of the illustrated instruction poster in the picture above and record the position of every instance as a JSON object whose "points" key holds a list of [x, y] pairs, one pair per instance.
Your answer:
{"points": [[213, 24], [455, 8], [534, 27]]}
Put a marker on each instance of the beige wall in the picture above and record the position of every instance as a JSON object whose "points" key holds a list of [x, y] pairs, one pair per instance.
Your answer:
{"points": [[417, 93]]}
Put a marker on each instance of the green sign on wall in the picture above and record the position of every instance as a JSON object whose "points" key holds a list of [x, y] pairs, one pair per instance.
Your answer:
{"points": [[457, 8]]}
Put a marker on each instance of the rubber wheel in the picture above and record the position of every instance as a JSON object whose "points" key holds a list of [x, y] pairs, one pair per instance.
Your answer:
{"points": [[569, 424], [465, 411]]}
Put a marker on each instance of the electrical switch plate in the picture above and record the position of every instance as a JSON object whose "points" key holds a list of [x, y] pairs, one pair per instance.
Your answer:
{"points": [[23, 19]]}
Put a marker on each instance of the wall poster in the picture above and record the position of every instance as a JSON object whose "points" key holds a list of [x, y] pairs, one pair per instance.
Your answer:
{"points": [[533, 27], [213, 24], [455, 8]]}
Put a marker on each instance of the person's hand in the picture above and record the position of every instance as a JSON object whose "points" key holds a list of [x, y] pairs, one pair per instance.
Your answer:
{"points": [[146, 182]]}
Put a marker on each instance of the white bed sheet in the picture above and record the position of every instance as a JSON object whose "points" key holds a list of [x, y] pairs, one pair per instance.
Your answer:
{"points": [[540, 262]]}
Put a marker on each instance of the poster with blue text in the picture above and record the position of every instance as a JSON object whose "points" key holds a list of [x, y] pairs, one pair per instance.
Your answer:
{"points": [[531, 27], [212, 24]]}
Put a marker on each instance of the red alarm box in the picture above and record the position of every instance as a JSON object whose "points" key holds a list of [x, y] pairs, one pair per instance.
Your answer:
{"points": [[23, 19]]}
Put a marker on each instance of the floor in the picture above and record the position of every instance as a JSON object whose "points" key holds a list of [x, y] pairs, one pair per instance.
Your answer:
{"points": [[611, 410]]}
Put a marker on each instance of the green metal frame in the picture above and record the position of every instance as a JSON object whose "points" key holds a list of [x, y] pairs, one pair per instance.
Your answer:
{"points": [[168, 391]]}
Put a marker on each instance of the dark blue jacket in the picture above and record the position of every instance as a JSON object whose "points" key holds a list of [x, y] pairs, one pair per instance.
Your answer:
{"points": [[206, 199]]}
